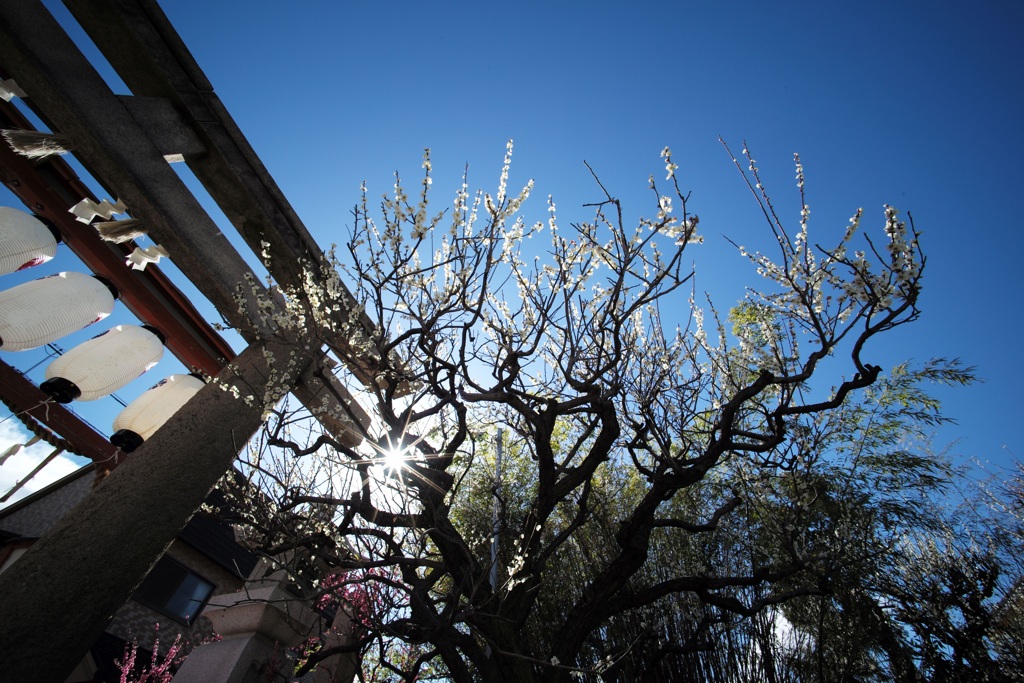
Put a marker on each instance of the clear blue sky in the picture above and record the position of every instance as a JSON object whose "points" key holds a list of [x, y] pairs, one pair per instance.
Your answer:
{"points": [[919, 105]]}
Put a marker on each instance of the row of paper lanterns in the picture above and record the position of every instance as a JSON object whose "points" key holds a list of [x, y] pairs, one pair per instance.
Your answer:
{"points": [[41, 311]]}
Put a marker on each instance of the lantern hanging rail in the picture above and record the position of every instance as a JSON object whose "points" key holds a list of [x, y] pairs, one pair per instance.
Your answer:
{"points": [[53, 351]]}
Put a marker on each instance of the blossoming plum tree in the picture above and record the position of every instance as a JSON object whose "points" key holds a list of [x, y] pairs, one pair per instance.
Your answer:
{"points": [[621, 403]]}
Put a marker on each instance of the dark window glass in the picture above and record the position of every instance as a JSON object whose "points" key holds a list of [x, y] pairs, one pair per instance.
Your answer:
{"points": [[172, 589]]}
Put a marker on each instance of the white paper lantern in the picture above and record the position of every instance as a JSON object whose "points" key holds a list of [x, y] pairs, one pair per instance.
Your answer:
{"points": [[146, 414], [41, 311], [25, 241], [104, 364]]}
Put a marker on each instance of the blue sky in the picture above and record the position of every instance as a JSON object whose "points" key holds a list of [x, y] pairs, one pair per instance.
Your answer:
{"points": [[915, 104]]}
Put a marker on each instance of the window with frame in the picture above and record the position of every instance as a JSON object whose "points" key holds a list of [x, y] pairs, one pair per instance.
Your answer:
{"points": [[173, 589]]}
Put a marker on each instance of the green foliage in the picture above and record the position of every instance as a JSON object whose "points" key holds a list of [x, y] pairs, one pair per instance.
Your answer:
{"points": [[856, 495]]}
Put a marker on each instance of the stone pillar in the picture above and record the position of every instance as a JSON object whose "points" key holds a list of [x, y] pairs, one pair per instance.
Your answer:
{"points": [[58, 597], [257, 626], [340, 668]]}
